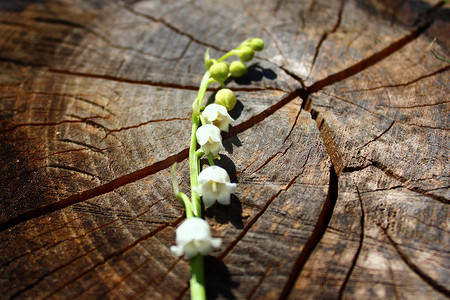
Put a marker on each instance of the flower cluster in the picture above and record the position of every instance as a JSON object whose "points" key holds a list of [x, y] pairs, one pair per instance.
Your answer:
{"points": [[193, 236]]}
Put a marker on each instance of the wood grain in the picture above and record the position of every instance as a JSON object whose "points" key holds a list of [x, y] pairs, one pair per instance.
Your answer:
{"points": [[340, 149]]}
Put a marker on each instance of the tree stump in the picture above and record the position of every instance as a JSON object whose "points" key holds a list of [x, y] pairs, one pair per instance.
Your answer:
{"points": [[340, 149]]}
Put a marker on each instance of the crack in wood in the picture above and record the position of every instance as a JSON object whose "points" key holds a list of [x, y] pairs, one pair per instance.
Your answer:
{"points": [[72, 96], [316, 235], [73, 169], [134, 81], [294, 76], [429, 14], [144, 124], [326, 34], [144, 262], [293, 126], [123, 80], [118, 253], [417, 105], [264, 114], [93, 148], [367, 62], [425, 277], [74, 150], [257, 20], [77, 237], [173, 28], [261, 279], [278, 6], [355, 104], [264, 163], [312, 6], [358, 251], [350, 169], [395, 187], [332, 147], [378, 136], [427, 126], [87, 120], [94, 192], [106, 39], [141, 173], [441, 70], [262, 210], [407, 184]]}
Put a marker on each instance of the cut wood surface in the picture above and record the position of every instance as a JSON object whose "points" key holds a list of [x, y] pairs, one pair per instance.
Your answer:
{"points": [[339, 148]]}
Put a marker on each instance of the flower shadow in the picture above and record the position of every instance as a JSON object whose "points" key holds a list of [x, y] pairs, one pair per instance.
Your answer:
{"points": [[224, 214], [255, 72], [219, 283]]}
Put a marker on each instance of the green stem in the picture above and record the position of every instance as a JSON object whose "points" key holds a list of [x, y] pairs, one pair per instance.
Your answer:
{"points": [[186, 203], [194, 168], [228, 54], [210, 159], [202, 119], [206, 80], [198, 291], [440, 58], [194, 207]]}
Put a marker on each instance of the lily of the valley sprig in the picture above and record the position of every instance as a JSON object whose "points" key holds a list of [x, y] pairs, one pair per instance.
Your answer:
{"points": [[193, 236]]}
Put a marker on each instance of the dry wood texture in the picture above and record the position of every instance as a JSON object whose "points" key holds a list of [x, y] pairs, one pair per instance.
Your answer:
{"points": [[340, 149]]}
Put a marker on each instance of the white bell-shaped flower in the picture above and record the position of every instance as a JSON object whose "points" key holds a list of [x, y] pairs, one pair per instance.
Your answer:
{"points": [[214, 184], [209, 138], [193, 237], [217, 115]]}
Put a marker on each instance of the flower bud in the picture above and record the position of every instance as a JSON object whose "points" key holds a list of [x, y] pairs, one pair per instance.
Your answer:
{"points": [[219, 71], [237, 68], [257, 44], [226, 97], [246, 53]]}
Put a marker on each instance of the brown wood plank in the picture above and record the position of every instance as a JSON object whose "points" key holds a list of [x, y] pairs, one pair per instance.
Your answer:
{"points": [[340, 149]]}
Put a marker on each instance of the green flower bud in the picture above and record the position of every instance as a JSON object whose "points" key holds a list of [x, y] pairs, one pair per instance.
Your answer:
{"points": [[237, 68], [219, 71], [246, 53], [226, 98], [257, 44]]}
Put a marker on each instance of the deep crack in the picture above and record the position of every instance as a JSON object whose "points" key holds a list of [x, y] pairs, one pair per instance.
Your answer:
{"points": [[316, 235]]}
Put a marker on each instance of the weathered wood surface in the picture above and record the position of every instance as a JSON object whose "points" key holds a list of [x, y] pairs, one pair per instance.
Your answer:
{"points": [[340, 149]]}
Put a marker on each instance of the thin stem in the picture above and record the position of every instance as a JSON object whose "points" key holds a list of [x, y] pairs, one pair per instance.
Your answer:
{"points": [[228, 54], [206, 80], [194, 168], [210, 159], [198, 291], [194, 207], [440, 58], [186, 203], [194, 157], [202, 119]]}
